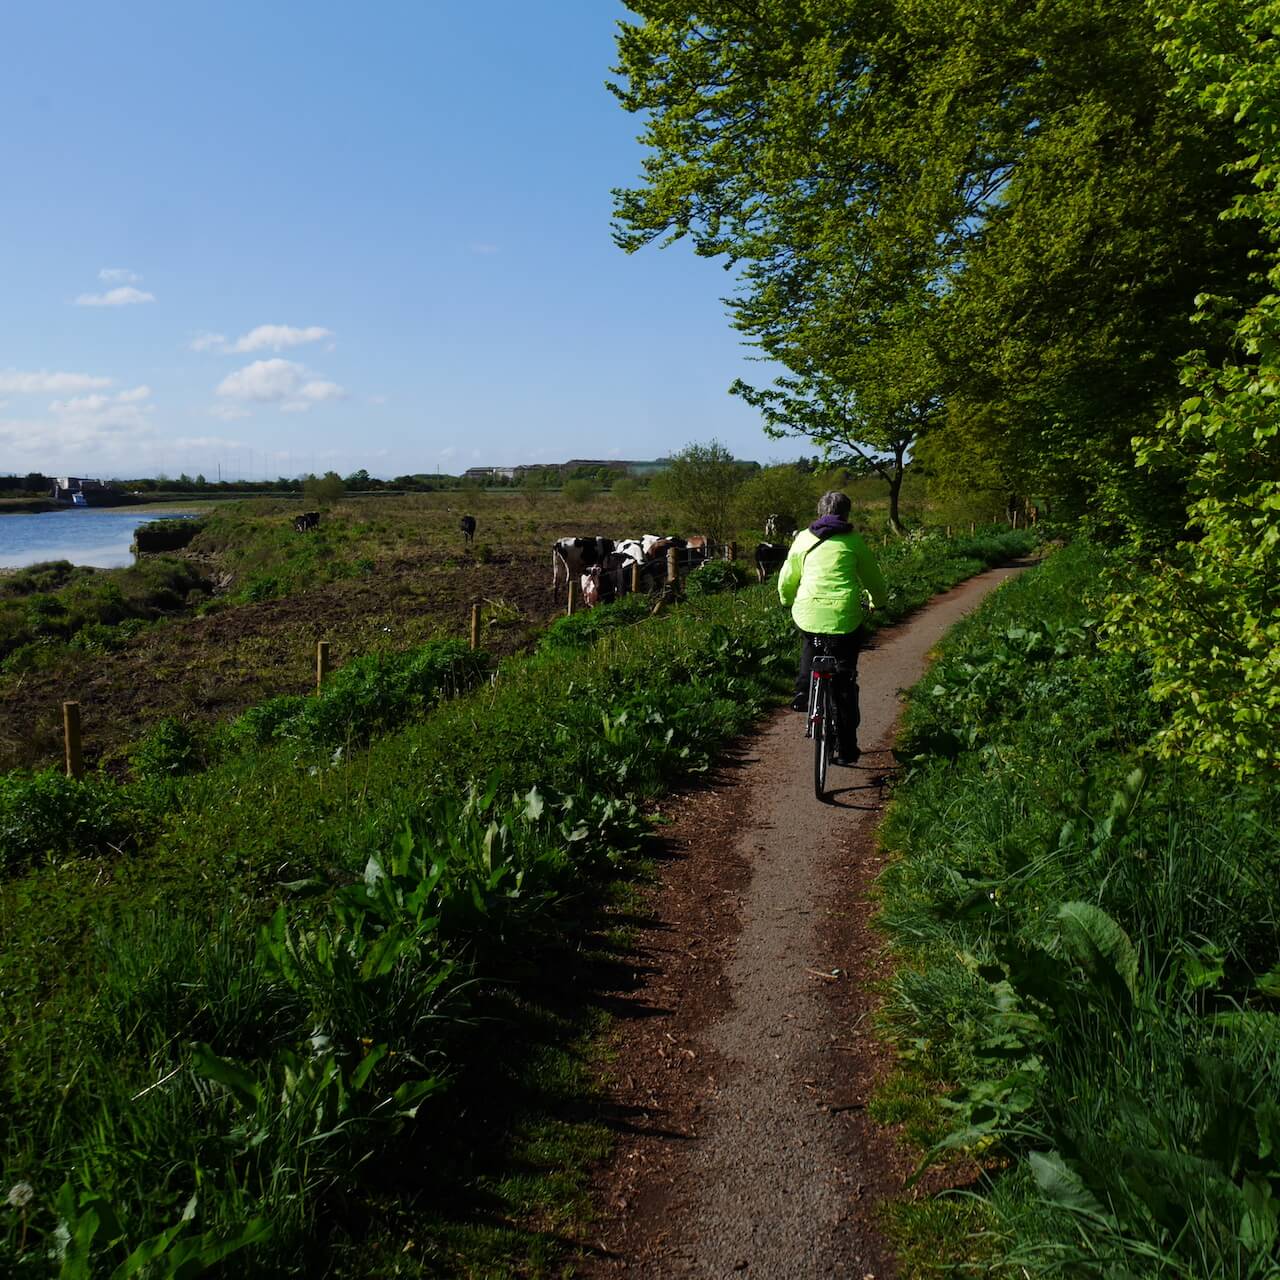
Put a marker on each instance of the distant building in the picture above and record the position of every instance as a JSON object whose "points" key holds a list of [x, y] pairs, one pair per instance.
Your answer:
{"points": [[77, 491]]}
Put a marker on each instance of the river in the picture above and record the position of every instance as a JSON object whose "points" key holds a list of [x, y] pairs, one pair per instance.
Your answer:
{"points": [[98, 536]]}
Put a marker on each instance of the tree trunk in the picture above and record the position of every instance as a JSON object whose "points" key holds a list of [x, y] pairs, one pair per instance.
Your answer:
{"points": [[895, 489]]}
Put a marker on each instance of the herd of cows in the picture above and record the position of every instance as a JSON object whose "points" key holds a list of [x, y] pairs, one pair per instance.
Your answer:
{"points": [[606, 569]]}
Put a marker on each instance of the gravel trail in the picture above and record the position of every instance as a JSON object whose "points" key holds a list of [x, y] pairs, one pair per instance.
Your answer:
{"points": [[745, 1159]]}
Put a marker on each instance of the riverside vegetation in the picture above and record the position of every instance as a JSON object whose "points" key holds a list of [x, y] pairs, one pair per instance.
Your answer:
{"points": [[1089, 936], [304, 989]]}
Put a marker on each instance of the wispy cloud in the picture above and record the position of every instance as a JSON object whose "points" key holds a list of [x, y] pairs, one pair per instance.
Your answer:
{"points": [[484, 248], [125, 296], [118, 275], [15, 382], [266, 337]]}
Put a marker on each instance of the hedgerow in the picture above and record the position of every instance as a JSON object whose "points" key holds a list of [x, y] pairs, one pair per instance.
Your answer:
{"points": [[1089, 936]]}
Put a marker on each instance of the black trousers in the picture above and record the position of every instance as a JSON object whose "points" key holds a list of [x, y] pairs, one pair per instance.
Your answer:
{"points": [[846, 648]]}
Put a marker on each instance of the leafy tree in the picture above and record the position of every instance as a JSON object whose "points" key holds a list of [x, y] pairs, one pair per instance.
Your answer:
{"points": [[782, 490], [1209, 617], [323, 491], [999, 205], [625, 488], [700, 485], [533, 484], [579, 491]]}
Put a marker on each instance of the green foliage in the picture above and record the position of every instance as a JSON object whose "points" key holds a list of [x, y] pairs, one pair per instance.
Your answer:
{"points": [[579, 491], [368, 695], [1088, 937], [1209, 617], [700, 484], [48, 605], [625, 488], [583, 628], [325, 490], [49, 815], [993, 211], [165, 535], [783, 490], [718, 575]]}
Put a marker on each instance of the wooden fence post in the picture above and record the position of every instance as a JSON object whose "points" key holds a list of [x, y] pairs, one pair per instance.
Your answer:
{"points": [[475, 626], [731, 551], [635, 576], [972, 527], [948, 531], [322, 663], [573, 597], [673, 566], [71, 735]]}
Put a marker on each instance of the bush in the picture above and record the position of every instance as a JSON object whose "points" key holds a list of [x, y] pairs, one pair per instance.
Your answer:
{"points": [[47, 814], [717, 575]]}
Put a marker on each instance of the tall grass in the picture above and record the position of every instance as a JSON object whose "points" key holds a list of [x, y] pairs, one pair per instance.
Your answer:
{"points": [[1090, 942]]}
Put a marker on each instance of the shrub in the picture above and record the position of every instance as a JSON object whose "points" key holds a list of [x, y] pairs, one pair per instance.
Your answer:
{"points": [[717, 575], [48, 814]]}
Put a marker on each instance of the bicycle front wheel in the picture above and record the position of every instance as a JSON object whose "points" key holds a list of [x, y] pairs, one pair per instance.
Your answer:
{"points": [[821, 739]]}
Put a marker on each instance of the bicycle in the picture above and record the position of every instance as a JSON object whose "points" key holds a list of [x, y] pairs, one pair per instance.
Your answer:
{"points": [[821, 725]]}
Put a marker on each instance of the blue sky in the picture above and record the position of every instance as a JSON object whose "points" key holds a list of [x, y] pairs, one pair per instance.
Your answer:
{"points": [[282, 238]]}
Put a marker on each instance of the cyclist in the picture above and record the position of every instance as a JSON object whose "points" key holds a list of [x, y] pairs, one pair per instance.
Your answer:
{"points": [[826, 571]]}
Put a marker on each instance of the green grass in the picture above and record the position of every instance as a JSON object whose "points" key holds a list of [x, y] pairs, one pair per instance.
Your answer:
{"points": [[1089, 941], [340, 994]]}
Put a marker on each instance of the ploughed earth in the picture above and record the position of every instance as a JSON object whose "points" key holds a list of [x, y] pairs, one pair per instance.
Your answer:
{"points": [[213, 667]]}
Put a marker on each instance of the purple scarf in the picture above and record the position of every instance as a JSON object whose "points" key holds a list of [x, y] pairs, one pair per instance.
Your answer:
{"points": [[829, 526]]}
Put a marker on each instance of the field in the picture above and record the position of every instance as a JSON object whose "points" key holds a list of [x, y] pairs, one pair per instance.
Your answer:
{"points": [[382, 574], [310, 986]]}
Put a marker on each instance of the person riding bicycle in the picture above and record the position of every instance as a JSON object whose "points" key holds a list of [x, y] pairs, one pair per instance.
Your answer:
{"points": [[826, 571]]}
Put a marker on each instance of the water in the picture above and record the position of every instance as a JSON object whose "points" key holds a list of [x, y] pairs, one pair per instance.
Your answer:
{"points": [[98, 536]]}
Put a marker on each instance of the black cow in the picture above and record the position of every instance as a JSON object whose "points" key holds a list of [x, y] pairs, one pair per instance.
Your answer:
{"points": [[615, 575], [570, 557], [308, 520], [468, 526], [769, 558]]}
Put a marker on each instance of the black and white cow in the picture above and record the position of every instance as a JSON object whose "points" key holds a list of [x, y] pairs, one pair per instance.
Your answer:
{"points": [[468, 527], [308, 520], [571, 557], [778, 528], [769, 558]]}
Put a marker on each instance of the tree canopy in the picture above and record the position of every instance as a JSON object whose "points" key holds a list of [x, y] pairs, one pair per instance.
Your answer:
{"points": [[936, 208]]}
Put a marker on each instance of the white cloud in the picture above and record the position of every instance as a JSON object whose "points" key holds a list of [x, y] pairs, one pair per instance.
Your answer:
{"points": [[277, 337], [118, 275], [279, 381], [209, 342], [484, 249], [377, 399], [263, 380], [85, 431], [125, 296], [15, 382], [124, 409], [134, 394]]}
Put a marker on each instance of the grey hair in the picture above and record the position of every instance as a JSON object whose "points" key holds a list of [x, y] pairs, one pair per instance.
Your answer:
{"points": [[834, 504]]}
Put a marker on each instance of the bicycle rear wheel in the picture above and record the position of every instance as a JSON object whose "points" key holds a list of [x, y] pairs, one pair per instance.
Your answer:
{"points": [[821, 739]]}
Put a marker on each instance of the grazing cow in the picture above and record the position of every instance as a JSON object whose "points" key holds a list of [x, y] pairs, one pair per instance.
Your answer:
{"points": [[468, 526], [308, 520], [769, 558], [571, 557], [698, 547]]}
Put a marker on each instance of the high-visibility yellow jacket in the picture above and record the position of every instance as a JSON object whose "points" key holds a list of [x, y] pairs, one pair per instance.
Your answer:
{"points": [[823, 584]]}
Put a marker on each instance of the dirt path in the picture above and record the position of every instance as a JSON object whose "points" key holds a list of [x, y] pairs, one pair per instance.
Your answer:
{"points": [[744, 1054]]}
